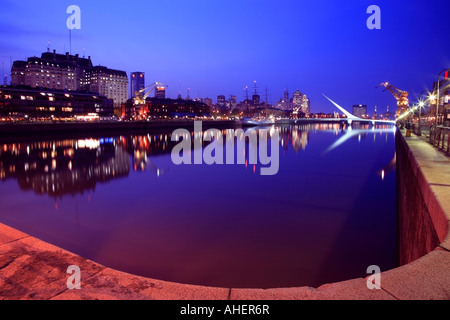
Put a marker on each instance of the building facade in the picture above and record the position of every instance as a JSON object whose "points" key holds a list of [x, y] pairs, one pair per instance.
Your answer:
{"points": [[165, 109], [360, 110], [137, 82], [110, 83], [27, 102], [70, 73], [160, 92], [301, 103]]}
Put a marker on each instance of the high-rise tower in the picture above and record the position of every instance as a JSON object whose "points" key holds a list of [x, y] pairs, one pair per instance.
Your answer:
{"points": [[137, 83]]}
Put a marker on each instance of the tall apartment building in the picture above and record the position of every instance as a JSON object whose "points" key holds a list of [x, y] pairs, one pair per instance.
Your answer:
{"points": [[110, 83], [137, 82], [160, 92], [221, 102], [301, 102], [306, 105], [360, 110], [208, 102], [70, 73], [286, 100]]}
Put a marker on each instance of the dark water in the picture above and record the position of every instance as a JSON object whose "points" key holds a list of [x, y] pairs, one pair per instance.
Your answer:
{"points": [[325, 216]]}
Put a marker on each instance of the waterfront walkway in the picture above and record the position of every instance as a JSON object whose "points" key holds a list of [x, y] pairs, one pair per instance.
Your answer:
{"points": [[33, 269]]}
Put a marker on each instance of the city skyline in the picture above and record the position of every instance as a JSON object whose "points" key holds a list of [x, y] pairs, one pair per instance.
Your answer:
{"points": [[211, 49]]}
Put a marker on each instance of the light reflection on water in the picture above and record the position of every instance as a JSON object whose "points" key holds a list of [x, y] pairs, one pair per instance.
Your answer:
{"points": [[326, 215]]}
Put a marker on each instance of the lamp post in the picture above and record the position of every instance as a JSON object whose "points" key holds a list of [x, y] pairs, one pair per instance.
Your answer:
{"points": [[437, 96], [421, 105]]}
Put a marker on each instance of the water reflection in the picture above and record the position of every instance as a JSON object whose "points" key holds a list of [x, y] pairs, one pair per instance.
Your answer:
{"points": [[62, 167], [217, 225], [361, 133], [70, 166]]}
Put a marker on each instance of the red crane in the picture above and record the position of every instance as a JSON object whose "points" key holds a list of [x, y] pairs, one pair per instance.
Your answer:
{"points": [[400, 95]]}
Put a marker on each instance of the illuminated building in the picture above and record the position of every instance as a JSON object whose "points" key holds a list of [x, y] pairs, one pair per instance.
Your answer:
{"points": [[165, 108], [71, 73], [360, 110], [221, 101], [160, 92], [137, 82], [208, 102], [53, 71], [305, 105], [286, 101], [301, 103], [110, 83], [233, 102], [297, 99], [221, 104], [22, 101]]}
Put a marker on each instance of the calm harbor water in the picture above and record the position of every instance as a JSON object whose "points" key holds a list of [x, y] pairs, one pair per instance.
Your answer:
{"points": [[328, 214]]}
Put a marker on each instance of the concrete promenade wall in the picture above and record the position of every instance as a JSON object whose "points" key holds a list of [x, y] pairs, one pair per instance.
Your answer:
{"points": [[35, 270], [421, 226]]}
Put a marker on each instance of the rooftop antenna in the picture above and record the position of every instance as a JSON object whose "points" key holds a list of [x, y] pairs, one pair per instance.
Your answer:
{"points": [[84, 52], [5, 79], [10, 67], [246, 101], [70, 41], [255, 87], [48, 46], [266, 91]]}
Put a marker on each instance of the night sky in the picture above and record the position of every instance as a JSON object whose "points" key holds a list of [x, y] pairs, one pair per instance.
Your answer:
{"points": [[218, 47]]}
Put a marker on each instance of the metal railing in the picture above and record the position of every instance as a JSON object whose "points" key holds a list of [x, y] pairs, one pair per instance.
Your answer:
{"points": [[440, 138]]}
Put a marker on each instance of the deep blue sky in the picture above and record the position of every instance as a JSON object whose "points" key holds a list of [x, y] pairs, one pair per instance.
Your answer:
{"points": [[218, 47]]}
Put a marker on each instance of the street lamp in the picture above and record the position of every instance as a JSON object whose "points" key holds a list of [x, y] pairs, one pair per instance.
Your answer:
{"points": [[437, 95], [421, 105]]}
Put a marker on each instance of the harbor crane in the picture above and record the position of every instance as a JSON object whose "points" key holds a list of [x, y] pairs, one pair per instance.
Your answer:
{"points": [[141, 95], [400, 95]]}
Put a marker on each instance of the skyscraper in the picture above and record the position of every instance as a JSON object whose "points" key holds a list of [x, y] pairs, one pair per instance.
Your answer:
{"points": [[359, 110], [137, 83], [287, 104], [208, 102], [305, 105], [297, 99], [221, 101], [160, 92], [233, 102]]}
